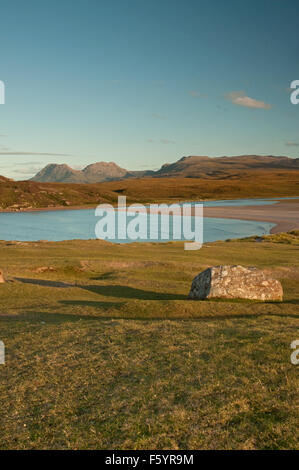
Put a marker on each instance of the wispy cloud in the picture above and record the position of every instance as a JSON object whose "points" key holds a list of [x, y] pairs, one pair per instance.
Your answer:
{"points": [[28, 167], [30, 170], [292, 144], [34, 153], [33, 162], [239, 98]]}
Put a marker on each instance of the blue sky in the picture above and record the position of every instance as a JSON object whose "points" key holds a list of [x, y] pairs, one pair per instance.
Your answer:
{"points": [[144, 82]]}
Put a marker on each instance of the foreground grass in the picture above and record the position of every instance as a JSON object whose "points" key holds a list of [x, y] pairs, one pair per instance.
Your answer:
{"points": [[104, 351]]}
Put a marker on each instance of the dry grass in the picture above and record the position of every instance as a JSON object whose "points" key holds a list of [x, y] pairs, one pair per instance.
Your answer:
{"points": [[20, 195], [104, 351], [242, 184], [290, 238]]}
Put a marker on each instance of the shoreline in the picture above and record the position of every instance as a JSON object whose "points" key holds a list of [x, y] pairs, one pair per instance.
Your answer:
{"points": [[47, 209], [146, 204], [283, 213]]}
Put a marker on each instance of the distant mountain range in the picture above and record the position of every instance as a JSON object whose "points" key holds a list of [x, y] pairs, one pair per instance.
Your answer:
{"points": [[94, 173], [186, 167]]}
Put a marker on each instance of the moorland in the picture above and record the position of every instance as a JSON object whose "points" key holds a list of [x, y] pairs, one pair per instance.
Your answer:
{"points": [[31, 195], [103, 349]]}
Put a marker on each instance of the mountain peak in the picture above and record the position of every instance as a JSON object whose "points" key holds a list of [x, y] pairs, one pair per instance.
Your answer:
{"points": [[186, 167], [93, 173]]}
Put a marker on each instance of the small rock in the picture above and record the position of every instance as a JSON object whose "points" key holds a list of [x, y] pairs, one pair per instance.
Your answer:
{"points": [[42, 269], [1, 277], [235, 282]]}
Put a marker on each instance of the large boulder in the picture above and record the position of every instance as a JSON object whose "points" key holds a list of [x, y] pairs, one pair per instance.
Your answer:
{"points": [[235, 282]]}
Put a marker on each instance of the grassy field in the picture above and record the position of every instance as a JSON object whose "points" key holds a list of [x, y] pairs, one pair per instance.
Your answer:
{"points": [[25, 195], [104, 351]]}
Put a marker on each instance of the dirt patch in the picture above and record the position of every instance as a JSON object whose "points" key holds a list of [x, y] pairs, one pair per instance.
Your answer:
{"points": [[43, 269]]}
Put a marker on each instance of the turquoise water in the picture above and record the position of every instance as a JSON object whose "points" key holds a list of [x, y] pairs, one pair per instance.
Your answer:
{"points": [[80, 224], [239, 202], [243, 202]]}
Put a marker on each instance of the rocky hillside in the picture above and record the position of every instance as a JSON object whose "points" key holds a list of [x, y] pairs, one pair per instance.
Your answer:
{"points": [[186, 167], [54, 173], [196, 167], [95, 173]]}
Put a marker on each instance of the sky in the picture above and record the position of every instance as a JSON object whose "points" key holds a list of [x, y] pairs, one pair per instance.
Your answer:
{"points": [[145, 82]]}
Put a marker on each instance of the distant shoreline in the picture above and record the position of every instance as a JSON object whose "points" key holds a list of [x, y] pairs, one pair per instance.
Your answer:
{"points": [[48, 209]]}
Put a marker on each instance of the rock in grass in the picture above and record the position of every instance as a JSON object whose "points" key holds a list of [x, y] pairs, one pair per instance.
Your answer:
{"points": [[1, 277], [235, 282]]}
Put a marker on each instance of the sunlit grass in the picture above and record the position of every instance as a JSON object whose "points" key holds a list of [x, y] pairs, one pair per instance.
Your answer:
{"points": [[103, 349]]}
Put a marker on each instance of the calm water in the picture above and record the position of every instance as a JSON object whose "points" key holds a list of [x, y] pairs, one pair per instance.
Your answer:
{"points": [[243, 202], [238, 202], [80, 224]]}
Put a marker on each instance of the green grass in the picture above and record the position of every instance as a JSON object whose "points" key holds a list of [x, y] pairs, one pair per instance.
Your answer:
{"points": [[103, 350]]}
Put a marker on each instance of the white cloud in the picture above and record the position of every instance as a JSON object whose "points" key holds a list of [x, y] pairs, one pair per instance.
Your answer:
{"points": [[239, 98]]}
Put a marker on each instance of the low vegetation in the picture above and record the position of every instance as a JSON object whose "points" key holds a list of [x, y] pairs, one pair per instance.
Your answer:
{"points": [[290, 238], [28, 195], [104, 351]]}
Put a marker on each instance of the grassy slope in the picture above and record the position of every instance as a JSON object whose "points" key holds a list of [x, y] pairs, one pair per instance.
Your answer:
{"points": [[244, 184], [104, 350], [263, 183]]}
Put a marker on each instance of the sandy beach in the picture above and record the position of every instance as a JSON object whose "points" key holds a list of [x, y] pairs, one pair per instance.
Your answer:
{"points": [[285, 214]]}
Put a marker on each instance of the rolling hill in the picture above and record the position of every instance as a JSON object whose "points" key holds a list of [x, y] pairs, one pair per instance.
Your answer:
{"points": [[217, 167], [31, 195], [186, 167]]}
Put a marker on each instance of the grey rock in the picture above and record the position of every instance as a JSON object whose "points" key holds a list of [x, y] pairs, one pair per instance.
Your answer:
{"points": [[235, 282]]}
